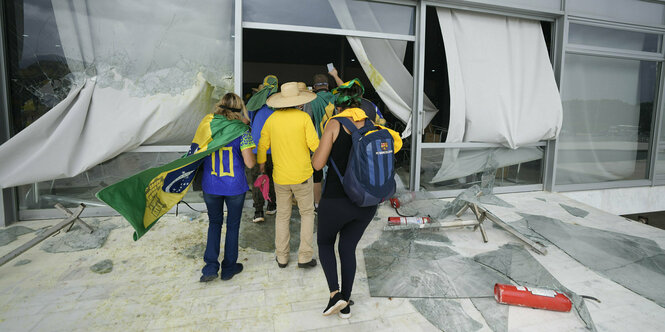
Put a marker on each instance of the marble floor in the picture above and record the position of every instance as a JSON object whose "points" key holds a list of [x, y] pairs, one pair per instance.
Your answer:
{"points": [[152, 284]]}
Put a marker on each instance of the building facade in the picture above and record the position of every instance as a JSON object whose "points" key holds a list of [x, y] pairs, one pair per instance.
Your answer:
{"points": [[118, 68]]}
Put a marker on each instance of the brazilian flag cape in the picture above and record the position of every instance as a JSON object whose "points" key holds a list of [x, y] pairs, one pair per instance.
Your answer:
{"points": [[144, 197], [319, 111]]}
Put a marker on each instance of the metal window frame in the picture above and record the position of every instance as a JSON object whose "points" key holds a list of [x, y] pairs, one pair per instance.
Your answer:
{"points": [[8, 197], [475, 146], [603, 185], [655, 144], [237, 45], [551, 152], [472, 145], [530, 13], [327, 31], [659, 57], [614, 22], [617, 25], [496, 190], [97, 211], [656, 118], [518, 12], [418, 98], [411, 3], [612, 53]]}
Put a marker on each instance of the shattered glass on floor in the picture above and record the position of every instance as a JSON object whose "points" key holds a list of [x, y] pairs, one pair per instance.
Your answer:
{"points": [[9, 235], [261, 236], [421, 264], [634, 262], [577, 212], [446, 313], [78, 238]]}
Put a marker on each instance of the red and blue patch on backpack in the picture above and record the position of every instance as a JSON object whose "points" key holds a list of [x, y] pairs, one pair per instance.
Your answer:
{"points": [[370, 173]]}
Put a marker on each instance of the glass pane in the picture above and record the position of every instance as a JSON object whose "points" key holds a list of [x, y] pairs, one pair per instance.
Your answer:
{"points": [[38, 72], [448, 169], [158, 48], [553, 5], [625, 10], [614, 38], [660, 162], [608, 105], [82, 188], [337, 14]]}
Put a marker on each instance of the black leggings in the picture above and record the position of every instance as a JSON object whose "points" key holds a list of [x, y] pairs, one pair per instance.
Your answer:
{"points": [[339, 215]]}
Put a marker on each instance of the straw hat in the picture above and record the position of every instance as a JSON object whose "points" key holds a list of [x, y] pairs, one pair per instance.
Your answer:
{"points": [[289, 96], [302, 86]]}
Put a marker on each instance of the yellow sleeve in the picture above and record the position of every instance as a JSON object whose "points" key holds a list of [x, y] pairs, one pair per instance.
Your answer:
{"points": [[310, 135], [264, 143], [330, 110]]}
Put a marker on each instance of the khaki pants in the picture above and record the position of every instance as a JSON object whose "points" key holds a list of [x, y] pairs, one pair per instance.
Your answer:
{"points": [[304, 195]]}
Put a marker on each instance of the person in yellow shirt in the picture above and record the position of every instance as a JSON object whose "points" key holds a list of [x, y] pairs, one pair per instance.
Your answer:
{"points": [[290, 135]]}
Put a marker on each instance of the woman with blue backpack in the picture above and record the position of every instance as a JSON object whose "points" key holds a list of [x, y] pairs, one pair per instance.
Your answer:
{"points": [[360, 158]]}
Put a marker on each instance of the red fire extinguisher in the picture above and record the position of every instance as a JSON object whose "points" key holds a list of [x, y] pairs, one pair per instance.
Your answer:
{"points": [[532, 297], [396, 221]]}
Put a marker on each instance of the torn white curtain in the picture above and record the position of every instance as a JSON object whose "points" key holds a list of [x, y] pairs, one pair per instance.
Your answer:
{"points": [[467, 162], [505, 87], [144, 73], [79, 132], [502, 86], [382, 61]]}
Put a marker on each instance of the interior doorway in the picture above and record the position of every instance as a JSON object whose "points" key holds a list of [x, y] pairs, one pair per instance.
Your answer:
{"points": [[298, 56]]}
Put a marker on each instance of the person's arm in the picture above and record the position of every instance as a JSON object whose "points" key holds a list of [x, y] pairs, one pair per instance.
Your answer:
{"points": [[323, 151], [264, 144], [338, 80], [248, 158], [311, 136]]}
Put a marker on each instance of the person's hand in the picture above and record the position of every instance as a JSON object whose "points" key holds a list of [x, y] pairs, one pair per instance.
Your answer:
{"points": [[262, 168], [333, 72]]}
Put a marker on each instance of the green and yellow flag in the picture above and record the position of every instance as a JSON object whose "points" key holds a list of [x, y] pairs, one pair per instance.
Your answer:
{"points": [[144, 197]]}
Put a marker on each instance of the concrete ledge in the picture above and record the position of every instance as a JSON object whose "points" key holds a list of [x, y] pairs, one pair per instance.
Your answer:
{"points": [[622, 200]]}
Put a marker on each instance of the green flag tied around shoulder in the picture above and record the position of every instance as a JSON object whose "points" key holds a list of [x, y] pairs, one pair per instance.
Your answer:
{"points": [[323, 100], [269, 86], [144, 197]]}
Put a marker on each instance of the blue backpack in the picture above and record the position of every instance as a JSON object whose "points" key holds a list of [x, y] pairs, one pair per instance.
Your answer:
{"points": [[370, 173]]}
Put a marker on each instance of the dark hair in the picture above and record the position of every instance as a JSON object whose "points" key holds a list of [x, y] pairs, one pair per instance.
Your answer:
{"points": [[349, 97], [320, 82]]}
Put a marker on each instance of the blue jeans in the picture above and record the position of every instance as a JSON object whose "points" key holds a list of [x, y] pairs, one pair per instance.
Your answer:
{"points": [[215, 205]]}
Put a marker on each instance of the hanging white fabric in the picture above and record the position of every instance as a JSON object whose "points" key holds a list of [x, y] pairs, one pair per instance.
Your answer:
{"points": [[502, 86], [90, 126], [505, 84], [474, 161], [382, 61], [145, 73]]}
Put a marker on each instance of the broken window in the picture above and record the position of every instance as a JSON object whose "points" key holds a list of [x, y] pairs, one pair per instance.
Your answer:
{"points": [[93, 79]]}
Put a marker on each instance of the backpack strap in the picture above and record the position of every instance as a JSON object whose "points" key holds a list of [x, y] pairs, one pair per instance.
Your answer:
{"points": [[356, 133], [345, 122]]}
